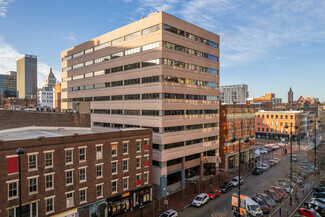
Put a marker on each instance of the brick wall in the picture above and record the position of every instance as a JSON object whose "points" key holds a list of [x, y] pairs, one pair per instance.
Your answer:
{"points": [[14, 119]]}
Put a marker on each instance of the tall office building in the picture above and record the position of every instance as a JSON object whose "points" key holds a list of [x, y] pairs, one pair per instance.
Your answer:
{"points": [[27, 76], [233, 93], [50, 80], [8, 84], [159, 72]]}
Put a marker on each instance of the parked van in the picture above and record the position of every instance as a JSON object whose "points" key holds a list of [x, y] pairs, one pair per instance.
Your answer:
{"points": [[248, 207]]}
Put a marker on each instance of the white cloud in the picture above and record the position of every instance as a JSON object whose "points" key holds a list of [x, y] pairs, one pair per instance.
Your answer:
{"points": [[250, 30], [71, 36], [3, 7], [9, 56]]}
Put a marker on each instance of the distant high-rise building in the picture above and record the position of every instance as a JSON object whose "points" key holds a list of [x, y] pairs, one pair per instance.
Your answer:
{"points": [[27, 76], [233, 93], [45, 97], [290, 96], [50, 80], [8, 84]]}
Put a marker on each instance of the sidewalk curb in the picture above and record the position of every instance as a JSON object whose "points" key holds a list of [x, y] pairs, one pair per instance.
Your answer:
{"points": [[185, 207]]}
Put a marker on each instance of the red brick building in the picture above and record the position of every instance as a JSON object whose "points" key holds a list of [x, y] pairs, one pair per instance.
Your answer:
{"points": [[236, 120], [75, 171]]}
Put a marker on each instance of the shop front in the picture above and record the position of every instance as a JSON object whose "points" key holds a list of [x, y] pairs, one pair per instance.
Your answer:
{"points": [[125, 202], [69, 213]]}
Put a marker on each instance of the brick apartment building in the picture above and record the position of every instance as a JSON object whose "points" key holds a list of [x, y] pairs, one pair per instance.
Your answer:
{"points": [[75, 171], [236, 120], [271, 124], [159, 72]]}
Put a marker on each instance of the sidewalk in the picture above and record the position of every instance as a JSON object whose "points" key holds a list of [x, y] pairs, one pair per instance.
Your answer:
{"points": [[183, 198]]}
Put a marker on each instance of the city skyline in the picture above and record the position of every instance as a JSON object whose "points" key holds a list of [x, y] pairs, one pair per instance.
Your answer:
{"points": [[269, 45]]}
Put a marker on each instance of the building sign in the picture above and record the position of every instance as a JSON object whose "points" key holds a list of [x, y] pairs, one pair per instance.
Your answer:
{"points": [[126, 194]]}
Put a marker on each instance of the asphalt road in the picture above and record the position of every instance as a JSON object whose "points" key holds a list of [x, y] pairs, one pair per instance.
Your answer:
{"points": [[252, 184]]}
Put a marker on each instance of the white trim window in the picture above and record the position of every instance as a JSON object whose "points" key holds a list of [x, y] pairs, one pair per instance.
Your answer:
{"points": [[114, 167], [69, 177], [138, 178], [99, 190], [83, 174], [69, 156], [49, 205], [125, 165], [12, 189], [48, 159], [125, 147], [146, 161], [146, 178], [99, 171], [82, 154], [32, 185], [83, 195], [99, 152], [125, 183], [49, 181], [114, 149], [32, 161], [114, 186], [138, 162], [138, 145], [69, 199]]}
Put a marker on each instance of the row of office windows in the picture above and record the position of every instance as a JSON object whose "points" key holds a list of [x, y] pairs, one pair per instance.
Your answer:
{"points": [[154, 112], [144, 96], [271, 130], [114, 42], [189, 51], [275, 116], [190, 142], [142, 65], [190, 157], [190, 36], [273, 123], [145, 80], [113, 56], [159, 129]]}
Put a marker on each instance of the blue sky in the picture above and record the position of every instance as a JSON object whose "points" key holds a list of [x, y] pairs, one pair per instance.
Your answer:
{"points": [[268, 44]]}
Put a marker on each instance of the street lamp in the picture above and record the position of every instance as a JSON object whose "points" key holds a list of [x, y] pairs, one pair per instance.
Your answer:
{"points": [[311, 121], [20, 151], [246, 140], [291, 140]]}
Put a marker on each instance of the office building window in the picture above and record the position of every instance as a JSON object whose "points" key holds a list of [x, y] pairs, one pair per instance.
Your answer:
{"points": [[82, 154], [12, 190], [32, 161], [99, 152], [49, 159], [68, 156]]}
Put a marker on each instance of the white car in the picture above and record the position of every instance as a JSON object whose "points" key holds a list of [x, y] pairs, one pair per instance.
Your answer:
{"points": [[200, 200], [234, 181], [277, 160], [261, 150], [286, 187], [265, 167], [169, 213]]}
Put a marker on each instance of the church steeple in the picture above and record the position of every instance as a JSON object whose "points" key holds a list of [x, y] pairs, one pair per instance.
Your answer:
{"points": [[290, 96]]}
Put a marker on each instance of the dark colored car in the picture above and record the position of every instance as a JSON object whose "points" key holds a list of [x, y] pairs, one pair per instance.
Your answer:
{"points": [[320, 189], [319, 194], [227, 186], [267, 199], [273, 195], [257, 171], [265, 208], [317, 206], [306, 212], [214, 193]]}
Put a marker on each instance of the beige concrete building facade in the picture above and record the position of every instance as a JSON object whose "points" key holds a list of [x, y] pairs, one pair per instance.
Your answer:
{"points": [[159, 72]]}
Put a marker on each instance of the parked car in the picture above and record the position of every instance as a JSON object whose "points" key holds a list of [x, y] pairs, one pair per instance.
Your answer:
{"points": [[169, 213], [200, 200], [319, 194], [279, 191], [270, 202], [234, 181], [294, 158], [273, 195], [227, 186], [214, 193], [262, 150], [258, 170], [286, 187], [317, 206], [306, 212], [320, 189], [265, 166], [265, 208], [271, 163], [277, 160], [321, 200]]}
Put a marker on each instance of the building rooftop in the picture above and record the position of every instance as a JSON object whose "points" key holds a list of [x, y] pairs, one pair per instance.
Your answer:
{"points": [[34, 132], [284, 112]]}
